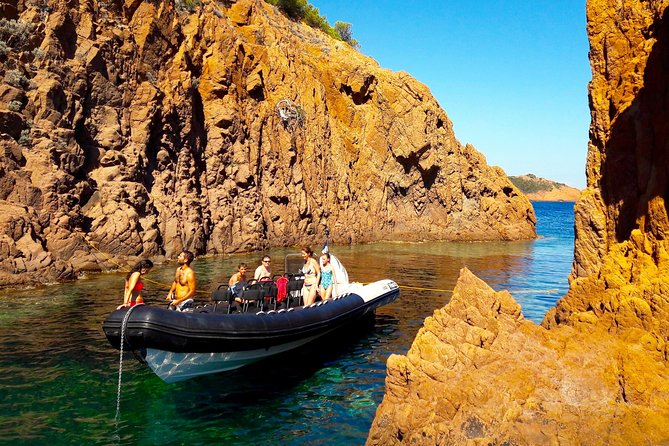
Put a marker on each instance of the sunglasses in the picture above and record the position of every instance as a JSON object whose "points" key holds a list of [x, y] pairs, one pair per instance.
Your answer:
{"points": [[266, 261]]}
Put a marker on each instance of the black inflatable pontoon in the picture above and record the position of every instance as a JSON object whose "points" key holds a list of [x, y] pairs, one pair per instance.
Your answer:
{"points": [[182, 345]]}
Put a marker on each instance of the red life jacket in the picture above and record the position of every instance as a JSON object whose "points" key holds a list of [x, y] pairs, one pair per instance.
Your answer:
{"points": [[282, 288]]}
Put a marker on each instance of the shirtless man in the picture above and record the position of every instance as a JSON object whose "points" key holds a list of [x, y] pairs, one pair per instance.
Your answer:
{"points": [[238, 281], [183, 287]]}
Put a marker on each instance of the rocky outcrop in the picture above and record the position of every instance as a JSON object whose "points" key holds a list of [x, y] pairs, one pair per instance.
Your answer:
{"points": [[139, 129], [596, 371], [479, 373], [541, 189]]}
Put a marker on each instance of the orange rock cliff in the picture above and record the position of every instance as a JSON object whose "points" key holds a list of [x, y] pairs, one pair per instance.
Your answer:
{"points": [[596, 372], [138, 128]]}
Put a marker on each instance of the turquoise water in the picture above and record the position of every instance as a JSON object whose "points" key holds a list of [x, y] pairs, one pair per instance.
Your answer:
{"points": [[59, 377]]}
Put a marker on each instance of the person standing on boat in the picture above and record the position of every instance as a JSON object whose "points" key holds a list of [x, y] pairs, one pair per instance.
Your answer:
{"points": [[328, 278], [312, 276], [132, 294], [183, 288], [264, 271]]}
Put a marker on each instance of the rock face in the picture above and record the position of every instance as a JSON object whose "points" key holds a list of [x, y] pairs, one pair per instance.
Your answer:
{"points": [[596, 372], [541, 189], [138, 129]]}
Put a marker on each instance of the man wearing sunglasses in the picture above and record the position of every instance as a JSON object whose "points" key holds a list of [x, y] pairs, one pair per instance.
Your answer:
{"points": [[264, 271]]}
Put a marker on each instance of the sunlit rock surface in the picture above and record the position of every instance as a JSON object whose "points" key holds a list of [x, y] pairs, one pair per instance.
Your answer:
{"points": [[595, 372], [137, 129]]}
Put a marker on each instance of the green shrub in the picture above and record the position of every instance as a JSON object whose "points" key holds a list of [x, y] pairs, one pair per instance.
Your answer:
{"points": [[16, 79], [345, 33], [187, 5], [302, 10], [25, 139], [15, 106], [38, 53], [531, 186], [15, 33], [295, 9]]}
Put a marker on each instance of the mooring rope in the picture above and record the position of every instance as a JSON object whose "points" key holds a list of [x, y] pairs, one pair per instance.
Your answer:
{"points": [[120, 365]]}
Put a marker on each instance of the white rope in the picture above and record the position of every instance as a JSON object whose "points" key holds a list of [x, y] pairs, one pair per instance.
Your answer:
{"points": [[120, 365]]}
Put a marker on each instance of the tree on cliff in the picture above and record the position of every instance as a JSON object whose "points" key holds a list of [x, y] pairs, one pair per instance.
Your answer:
{"points": [[346, 34]]}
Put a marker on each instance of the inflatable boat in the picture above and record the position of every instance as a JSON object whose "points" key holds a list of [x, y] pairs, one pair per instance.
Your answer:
{"points": [[226, 334]]}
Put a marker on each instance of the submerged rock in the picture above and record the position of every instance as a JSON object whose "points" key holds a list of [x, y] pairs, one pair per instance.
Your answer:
{"points": [[145, 129]]}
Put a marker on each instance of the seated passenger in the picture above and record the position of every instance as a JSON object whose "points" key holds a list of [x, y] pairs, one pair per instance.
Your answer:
{"points": [[312, 275], [328, 278], [238, 281], [264, 271]]}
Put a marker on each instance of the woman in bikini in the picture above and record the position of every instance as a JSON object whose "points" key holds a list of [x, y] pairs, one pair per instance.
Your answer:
{"points": [[312, 275], [132, 294], [328, 278]]}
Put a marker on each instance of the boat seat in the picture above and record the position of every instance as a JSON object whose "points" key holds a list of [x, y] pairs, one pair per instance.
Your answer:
{"points": [[254, 293], [271, 291], [222, 294], [294, 288]]}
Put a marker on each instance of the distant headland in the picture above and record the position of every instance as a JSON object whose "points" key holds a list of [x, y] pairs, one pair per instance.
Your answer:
{"points": [[541, 189]]}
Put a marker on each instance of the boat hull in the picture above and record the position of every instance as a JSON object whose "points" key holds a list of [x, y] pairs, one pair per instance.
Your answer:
{"points": [[180, 346]]}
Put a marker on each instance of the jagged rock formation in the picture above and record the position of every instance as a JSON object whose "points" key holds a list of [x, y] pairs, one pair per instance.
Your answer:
{"points": [[133, 128], [596, 372], [541, 189]]}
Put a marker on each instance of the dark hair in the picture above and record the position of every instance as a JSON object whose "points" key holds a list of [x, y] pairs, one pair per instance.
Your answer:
{"points": [[308, 250], [189, 256], [242, 265], [142, 264], [265, 257], [326, 254]]}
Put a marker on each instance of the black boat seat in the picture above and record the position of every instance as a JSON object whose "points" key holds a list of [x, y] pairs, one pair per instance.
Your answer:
{"points": [[270, 292], [252, 293], [294, 288], [222, 294]]}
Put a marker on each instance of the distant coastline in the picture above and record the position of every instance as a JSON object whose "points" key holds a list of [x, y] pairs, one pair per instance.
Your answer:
{"points": [[541, 189]]}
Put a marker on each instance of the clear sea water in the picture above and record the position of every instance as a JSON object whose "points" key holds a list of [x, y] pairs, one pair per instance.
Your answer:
{"points": [[58, 376]]}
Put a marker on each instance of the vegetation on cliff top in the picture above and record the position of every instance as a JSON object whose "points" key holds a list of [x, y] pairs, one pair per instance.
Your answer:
{"points": [[302, 10], [297, 10], [529, 184]]}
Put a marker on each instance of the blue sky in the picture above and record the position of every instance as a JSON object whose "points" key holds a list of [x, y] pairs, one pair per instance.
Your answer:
{"points": [[512, 75]]}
